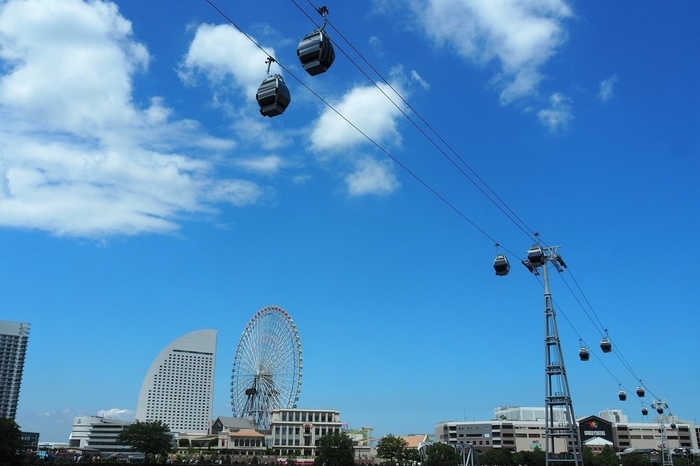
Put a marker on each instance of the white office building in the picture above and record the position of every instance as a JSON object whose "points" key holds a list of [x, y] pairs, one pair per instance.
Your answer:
{"points": [[179, 386], [297, 431], [97, 433]]}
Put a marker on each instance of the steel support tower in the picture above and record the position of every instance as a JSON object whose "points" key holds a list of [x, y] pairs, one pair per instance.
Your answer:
{"points": [[560, 422], [666, 458]]}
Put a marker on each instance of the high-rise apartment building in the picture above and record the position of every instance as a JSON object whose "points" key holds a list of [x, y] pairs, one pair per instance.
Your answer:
{"points": [[13, 348], [179, 386]]}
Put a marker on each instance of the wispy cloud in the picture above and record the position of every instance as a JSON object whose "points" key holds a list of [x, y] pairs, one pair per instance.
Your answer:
{"points": [[419, 79], [605, 89], [520, 35], [78, 156], [117, 413], [371, 177], [558, 115], [267, 165]]}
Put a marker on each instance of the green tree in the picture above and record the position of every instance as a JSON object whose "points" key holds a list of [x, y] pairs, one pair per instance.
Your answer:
{"points": [[537, 457], [636, 459], [529, 458], [335, 449], [441, 454], [608, 457], [183, 442], [588, 457], [497, 457], [10, 442], [391, 448], [148, 437], [412, 456]]}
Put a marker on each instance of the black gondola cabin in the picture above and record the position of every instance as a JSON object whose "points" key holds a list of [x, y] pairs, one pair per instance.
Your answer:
{"points": [[316, 52], [583, 354], [535, 256], [273, 96], [501, 265]]}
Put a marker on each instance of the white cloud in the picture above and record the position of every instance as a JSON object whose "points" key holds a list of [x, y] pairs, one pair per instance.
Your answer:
{"points": [[520, 34], [117, 413], [416, 77], [371, 177], [605, 90], [558, 115], [226, 56], [377, 45], [77, 155], [266, 165], [69, 63], [368, 109]]}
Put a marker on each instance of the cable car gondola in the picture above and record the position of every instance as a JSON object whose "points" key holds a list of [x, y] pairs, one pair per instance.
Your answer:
{"points": [[622, 395], [583, 353], [535, 256], [315, 51], [640, 390], [605, 344], [273, 95], [645, 411], [501, 265]]}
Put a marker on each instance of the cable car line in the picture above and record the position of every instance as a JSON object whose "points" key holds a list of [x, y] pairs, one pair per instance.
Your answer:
{"points": [[501, 263], [519, 223], [640, 388], [585, 299], [617, 352], [376, 144]]}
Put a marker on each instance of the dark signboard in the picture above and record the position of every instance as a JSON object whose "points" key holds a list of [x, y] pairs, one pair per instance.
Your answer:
{"points": [[593, 426]]}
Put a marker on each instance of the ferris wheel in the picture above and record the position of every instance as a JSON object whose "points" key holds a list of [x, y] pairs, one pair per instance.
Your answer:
{"points": [[267, 367]]}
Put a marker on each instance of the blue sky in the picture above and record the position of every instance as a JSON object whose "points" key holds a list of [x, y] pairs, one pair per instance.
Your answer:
{"points": [[143, 196]]}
